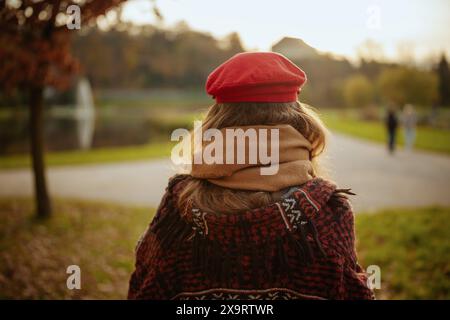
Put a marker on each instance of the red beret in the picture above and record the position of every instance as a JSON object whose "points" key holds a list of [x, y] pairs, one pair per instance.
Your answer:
{"points": [[256, 77]]}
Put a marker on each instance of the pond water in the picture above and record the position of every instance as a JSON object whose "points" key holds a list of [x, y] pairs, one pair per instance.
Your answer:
{"points": [[113, 127]]}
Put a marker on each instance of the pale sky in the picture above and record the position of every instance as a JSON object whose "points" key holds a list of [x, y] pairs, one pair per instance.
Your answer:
{"points": [[333, 26]]}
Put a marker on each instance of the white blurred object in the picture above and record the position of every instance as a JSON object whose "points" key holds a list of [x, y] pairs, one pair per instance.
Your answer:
{"points": [[85, 114]]}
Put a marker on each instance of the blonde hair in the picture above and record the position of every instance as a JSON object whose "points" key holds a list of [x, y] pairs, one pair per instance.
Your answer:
{"points": [[212, 198]]}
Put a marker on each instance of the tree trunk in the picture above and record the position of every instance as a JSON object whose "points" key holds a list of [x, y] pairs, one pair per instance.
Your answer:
{"points": [[43, 206]]}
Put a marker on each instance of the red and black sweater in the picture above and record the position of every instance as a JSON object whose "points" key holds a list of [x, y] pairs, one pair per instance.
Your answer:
{"points": [[301, 247]]}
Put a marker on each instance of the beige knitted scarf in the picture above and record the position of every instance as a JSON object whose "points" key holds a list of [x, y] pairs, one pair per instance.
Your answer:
{"points": [[294, 165]]}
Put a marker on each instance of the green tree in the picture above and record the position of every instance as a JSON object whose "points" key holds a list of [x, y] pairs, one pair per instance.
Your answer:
{"points": [[233, 43], [402, 85], [358, 91], [443, 73]]}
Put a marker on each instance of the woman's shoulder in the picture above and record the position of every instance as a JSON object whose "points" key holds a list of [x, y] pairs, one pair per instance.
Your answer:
{"points": [[325, 193], [324, 203]]}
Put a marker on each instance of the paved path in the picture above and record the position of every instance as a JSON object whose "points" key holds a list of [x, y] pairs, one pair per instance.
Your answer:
{"points": [[380, 180]]}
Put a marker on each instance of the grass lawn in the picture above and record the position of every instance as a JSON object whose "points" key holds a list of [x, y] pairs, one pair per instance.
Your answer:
{"points": [[410, 246], [98, 237], [430, 139], [105, 155]]}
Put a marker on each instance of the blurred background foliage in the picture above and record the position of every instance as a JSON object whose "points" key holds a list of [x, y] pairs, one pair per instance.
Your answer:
{"points": [[140, 74]]}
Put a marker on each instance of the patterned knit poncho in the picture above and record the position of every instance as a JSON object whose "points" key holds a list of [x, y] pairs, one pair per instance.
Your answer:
{"points": [[301, 247]]}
